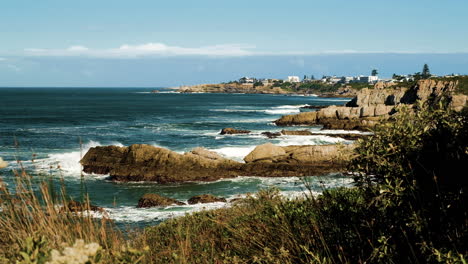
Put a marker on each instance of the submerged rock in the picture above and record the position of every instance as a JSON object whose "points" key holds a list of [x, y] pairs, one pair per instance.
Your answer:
{"points": [[205, 198], [231, 131], [152, 200]]}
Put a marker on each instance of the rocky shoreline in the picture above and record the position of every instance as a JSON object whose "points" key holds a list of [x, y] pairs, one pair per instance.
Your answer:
{"points": [[233, 88], [148, 163], [372, 106]]}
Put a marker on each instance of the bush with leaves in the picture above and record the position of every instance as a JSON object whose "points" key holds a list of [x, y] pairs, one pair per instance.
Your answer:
{"points": [[416, 167]]}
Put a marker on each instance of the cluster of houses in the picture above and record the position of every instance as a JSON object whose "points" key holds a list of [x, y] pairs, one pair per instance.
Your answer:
{"points": [[325, 79], [371, 79]]}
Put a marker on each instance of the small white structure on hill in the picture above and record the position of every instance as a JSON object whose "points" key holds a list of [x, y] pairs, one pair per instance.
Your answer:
{"points": [[246, 80], [293, 79]]}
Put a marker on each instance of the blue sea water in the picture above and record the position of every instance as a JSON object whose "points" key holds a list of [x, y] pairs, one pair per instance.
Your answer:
{"points": [[50, 129]]}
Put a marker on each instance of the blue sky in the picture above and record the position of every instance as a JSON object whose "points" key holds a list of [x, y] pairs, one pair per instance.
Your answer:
{"points": [[166, 43]]}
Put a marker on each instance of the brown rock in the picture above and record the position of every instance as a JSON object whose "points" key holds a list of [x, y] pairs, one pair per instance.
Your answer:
{"points": [[458, 102], [230, 131], [152, 200], [271, 134], [296, 132], [204, 153], [205, 198], [148, 163], [3, 164], [265, 153], [304, 118]]}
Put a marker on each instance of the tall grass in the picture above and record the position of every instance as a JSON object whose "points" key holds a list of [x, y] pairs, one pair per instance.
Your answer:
{"points": [[35, 218]]}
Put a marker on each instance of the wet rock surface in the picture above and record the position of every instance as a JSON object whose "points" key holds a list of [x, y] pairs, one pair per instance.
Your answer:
{"points": [[205, 198], [152, 200]]}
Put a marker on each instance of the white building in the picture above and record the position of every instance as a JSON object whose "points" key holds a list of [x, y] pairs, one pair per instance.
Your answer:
{"points": [[293, 79], [367, 79], [245, 80]]}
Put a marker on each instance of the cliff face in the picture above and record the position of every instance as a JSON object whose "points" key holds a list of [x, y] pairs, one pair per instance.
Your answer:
{"points": [[373, 105]]}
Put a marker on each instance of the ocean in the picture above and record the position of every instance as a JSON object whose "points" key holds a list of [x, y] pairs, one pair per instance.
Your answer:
{"points": [[50, 129]]}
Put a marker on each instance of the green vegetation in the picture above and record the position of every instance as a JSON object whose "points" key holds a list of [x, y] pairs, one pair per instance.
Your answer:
{"points": [[426, 73], [409, 206], [413, 209]]}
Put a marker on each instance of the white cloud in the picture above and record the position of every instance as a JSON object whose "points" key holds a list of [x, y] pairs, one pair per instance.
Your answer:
{"points": [[77, 48], [148, 49], [2, 59]]}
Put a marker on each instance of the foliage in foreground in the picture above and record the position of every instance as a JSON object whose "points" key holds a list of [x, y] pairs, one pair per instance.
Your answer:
{"points": [[410, 207]]}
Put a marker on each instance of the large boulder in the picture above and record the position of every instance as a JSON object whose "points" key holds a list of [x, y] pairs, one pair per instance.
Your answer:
{"points": [[205, 198], [232, 131], [265, 153], [141, 162], [152, 200]]}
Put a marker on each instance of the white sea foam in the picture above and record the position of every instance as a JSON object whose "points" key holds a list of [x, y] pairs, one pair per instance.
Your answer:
{"points": [[236, 152], [69, 162], [133, 214], [168, 92], [277, 110], [282, 111]]}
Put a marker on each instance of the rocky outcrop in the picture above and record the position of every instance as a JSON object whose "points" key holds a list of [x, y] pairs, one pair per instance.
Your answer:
{"points": [[232, 88], [149, 163], [152, 200], [3, 164], [372, 106], [205, 198], [231, 131]]}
